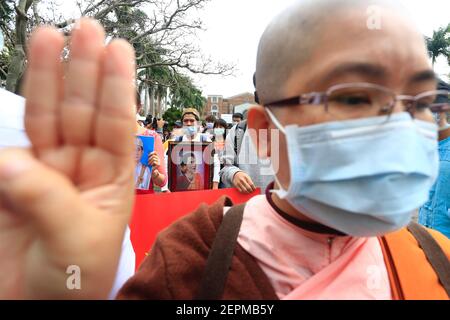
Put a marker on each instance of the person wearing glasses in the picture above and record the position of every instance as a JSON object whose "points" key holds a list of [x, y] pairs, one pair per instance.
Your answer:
{"points": [[435, 213], [355, 159], [357, 153]]}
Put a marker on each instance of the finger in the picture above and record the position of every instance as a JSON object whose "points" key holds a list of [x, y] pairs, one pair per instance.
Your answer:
{"points": [[237, 184], [154, 163], [250, 183], [155, 158], [242, 188], [42, 88], [115, 120], [82, 77], [246, 186]]}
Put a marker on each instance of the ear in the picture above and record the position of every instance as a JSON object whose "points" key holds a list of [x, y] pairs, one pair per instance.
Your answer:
{"points": [[258, 124]]}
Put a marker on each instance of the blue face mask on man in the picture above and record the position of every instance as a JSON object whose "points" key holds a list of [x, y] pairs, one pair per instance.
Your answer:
{"points": [[190, 131], [363, 177]]}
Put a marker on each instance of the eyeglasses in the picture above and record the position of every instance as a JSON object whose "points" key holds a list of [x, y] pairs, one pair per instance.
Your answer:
{"points": [[361, 100]]}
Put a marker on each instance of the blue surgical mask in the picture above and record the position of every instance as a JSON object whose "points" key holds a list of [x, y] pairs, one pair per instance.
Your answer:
{"points": [[363, 177], [209, 125], [219, 131], [190, 131]]}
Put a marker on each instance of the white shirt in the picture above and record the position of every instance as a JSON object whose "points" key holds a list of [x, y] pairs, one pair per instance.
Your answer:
{"points": [[12, 111], [127, 264]]}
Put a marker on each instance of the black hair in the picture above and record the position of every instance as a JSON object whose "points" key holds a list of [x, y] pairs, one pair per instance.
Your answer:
{"points": [[148, 120], [210, 118], [255, 93], [220, 123], [442, 85], [154, 124], [238, 115]]}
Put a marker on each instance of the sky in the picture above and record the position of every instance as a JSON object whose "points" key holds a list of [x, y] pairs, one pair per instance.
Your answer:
{"points": [[233, 29]]}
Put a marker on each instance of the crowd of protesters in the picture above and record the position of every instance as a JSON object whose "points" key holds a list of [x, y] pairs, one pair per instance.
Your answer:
{"points": [[235, 164]]}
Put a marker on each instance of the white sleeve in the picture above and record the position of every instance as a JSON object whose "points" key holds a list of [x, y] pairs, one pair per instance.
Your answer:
{"points": [[166, 186], [126, 267], [216, 176], [12, 111]]}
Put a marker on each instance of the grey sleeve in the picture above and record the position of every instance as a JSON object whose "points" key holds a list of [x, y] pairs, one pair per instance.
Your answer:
{"points": [[229, 170]]}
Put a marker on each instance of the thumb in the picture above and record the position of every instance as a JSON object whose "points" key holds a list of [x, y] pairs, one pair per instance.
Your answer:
{"points": [[29, 188]]}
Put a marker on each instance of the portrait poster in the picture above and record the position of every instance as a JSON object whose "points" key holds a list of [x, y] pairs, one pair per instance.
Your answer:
{"points": [[190, 166], [143, 171]]}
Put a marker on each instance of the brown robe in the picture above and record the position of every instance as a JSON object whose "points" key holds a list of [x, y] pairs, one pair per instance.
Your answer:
{"points": [[176, 263]]}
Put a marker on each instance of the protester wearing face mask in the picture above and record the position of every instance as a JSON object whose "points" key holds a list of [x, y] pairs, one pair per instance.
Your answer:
{"points": [[209, 120], [435, 213], [219, 135], [357, 154], [191, 127], [242, 168], [237, 118], [156, 160]]}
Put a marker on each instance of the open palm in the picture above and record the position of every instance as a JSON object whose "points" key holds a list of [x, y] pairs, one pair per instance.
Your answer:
{"points": [[66, 201]]}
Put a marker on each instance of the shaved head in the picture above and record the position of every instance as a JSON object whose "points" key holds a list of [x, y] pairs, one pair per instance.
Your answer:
{"points": [[292, 37]]}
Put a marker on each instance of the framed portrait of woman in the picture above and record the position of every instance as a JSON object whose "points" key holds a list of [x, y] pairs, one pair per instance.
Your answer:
{"points": [[190, 166]]}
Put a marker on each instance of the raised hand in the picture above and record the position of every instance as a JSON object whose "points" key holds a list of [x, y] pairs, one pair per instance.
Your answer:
{"points": [[66, 201]]}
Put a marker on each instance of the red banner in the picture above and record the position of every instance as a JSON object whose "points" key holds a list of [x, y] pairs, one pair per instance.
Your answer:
{"points": [[155, 212]]}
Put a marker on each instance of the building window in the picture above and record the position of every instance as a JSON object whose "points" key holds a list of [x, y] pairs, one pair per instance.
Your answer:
{"points": [[215, 99], [215, 110]]}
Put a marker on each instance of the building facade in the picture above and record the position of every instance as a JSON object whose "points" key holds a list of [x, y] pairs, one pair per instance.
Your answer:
{"points": [[218, 105]]}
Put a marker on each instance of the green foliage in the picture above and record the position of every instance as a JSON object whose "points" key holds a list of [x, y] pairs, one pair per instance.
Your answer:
{"points": [[439, 44], [157, 29], [171, 116], [186, 94]]}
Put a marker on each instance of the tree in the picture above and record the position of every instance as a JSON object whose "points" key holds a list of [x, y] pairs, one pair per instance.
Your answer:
{"points": [[7, 18], [161, 31], [17, 64], [439, 44], [185, 94], [171, 116]]}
